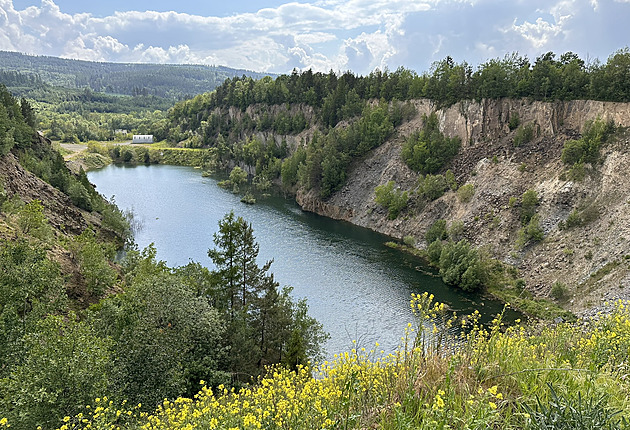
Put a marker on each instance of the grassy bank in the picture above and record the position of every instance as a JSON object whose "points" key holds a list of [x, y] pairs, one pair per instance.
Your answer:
{"points": [[144, 154], [564, 376]]}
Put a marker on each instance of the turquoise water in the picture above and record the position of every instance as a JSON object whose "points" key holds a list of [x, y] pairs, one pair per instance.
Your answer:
{"points": [[358, 288]]}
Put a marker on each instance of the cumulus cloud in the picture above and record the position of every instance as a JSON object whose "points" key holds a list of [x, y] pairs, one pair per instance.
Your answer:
{"points": [[357, 35]]}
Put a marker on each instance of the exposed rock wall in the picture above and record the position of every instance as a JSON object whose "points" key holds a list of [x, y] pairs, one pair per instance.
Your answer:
{"points": [[499, 171]]}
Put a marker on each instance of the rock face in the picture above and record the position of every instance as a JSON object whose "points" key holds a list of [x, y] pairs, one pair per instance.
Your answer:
{"points": [[591, 259], [62, 214]]}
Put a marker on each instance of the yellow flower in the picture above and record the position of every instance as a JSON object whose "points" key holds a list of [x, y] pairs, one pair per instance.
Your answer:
{"points": [[492, 405], [493, 390]]}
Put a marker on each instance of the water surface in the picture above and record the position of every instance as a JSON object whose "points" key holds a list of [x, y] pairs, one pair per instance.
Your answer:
{"points": [[358, 288]]}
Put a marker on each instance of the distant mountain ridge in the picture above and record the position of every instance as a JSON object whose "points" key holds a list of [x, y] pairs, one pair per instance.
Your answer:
{"points": [[174, 81]]}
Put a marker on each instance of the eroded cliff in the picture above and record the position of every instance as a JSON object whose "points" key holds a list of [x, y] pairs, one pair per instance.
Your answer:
{"points": [[591, 259]]}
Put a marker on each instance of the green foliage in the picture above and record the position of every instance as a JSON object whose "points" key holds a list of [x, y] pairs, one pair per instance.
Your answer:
{"points": [[162, 347], [261, 318], [64, 367], [15, 129], [434, 250], [33, 222], [529, 203], [409, 240], [532, 231], [465, 193], [461, 266], [558, 290], [393, 199], [94, 258], [30, 287], [514, 121], [524, 134], [429, 150], [574, 219], [586, 149], [432, 187], [571, 412], [437, 231]]}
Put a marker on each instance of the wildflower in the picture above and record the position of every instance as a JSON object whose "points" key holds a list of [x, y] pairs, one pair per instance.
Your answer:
{"points": [[492, 405]]}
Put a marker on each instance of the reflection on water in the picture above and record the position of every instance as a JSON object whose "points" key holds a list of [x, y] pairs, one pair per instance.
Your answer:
{"points": [[358, 288]]}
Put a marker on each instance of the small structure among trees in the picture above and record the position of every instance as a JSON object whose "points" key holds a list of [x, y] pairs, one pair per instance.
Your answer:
{"points": [[142, 138]]}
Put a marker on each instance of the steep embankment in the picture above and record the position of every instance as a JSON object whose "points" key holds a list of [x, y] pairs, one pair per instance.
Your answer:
{"points": [[65, 220], [591, 259]]}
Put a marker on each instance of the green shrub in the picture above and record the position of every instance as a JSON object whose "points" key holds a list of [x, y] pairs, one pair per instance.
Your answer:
{"points": [[529, 201], [461, 266], [558, 290], [574, 219], [450, 179], [586, 149], [432, 187], [514, 121], [465, 193], [409, 240], [434, 250], [394, 200], [523, 135], [437, 231], [429, 150], [531, 232], [94, 262], [33, 222]]}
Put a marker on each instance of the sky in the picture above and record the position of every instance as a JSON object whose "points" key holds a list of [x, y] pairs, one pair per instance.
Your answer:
{"points": [[277, 36]]}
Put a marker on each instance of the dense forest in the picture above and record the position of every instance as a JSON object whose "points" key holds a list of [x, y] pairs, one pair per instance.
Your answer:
{"points": [[352, 114], [77, 101], [170, 81], [123, 330]]}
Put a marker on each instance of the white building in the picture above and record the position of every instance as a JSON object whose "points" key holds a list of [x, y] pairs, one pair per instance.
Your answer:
{"points": [[142, 138]]}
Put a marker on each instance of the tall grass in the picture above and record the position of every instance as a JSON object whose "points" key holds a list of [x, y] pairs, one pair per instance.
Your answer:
{"points": [[449, 372]]}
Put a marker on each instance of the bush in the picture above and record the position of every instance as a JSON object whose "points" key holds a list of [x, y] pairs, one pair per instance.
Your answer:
{"points": [[529, 201], [437, 231], [432, 187], [94, 257], [523, 135], [394, 200], [574, 219], [465, 193], [461, 266], [514, 121], [558, 290], [434, 250], [33, 222], [428, 150], [409, 240], [586, 149], [531, 232]]}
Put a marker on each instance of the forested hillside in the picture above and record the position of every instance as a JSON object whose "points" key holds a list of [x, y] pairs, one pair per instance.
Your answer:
{"points": [[76, 326], [170, 81], [403, 154]]}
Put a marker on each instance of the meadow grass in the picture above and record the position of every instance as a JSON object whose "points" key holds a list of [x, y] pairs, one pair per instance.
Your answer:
{"points": [[450, 372]]}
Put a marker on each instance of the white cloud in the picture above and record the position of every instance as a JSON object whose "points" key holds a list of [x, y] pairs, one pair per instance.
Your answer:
{"points": [[323, 35], [539, 34]]}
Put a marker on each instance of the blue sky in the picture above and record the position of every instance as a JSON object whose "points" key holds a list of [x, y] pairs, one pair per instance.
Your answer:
{"points": [[278, 35]]}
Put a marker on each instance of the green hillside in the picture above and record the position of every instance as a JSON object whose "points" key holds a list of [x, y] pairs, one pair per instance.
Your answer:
{"points": [[171, 81]]}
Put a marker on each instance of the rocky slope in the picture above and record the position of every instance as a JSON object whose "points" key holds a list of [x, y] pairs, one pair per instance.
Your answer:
{"points": [[591, 259], [66, 219]]}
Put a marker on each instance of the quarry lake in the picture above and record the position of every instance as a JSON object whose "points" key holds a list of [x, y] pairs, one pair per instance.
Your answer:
{"points": [[357, 287]]}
